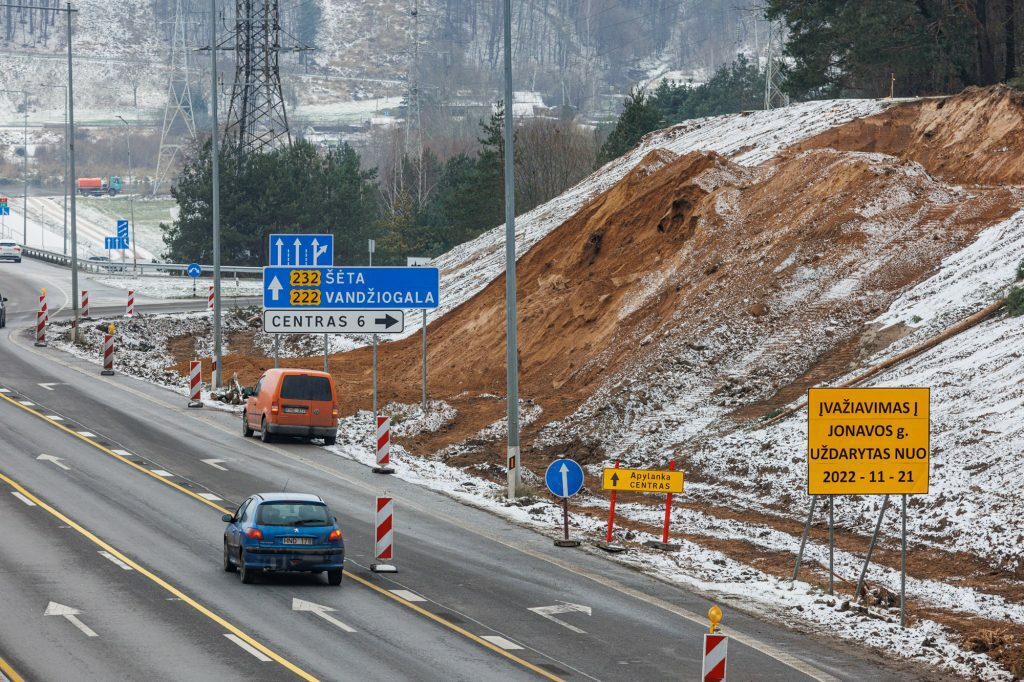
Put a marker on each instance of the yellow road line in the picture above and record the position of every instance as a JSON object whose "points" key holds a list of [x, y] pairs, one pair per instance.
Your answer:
{"points": [[113, 454], [159, 581], [9, 672], [432, 616]]}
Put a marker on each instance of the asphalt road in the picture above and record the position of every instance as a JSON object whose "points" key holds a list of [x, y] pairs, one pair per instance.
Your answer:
{"points": [[131, 481]]}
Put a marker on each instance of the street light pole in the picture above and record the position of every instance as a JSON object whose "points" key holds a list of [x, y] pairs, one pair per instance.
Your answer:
{"points": [[24, 204], [71, 155], [216, 194], [131, 197], [511, 333]]}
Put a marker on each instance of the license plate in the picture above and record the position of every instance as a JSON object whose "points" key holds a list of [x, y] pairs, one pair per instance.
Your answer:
{"points": [[295, 410], [296, 541]]}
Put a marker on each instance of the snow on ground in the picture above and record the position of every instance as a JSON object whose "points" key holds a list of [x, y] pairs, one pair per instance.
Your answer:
{"points": [[173, 286]]}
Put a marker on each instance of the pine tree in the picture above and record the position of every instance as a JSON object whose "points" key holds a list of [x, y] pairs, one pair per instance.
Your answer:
{"points": [[639, 117]]}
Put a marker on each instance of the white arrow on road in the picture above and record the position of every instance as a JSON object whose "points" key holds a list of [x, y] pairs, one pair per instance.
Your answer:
{"points": [[565, 607], [275, 288], [322, 611], [215, 463], [55, 460], [279, 243], [298, 243], [565, 480], [49, 387], [55, 609]]}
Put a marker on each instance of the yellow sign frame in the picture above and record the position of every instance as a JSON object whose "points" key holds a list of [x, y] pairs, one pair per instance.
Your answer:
{"points": [[868, 441], [643, 481]]}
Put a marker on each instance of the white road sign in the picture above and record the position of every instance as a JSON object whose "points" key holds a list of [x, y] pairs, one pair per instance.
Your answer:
{"points": [[333, 321]]}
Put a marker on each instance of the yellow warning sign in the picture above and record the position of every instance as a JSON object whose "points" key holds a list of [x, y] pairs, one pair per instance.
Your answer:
{"points": [[643, 480], [867, 441]]}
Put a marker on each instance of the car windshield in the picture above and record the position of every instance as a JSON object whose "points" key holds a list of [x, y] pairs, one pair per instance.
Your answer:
{"points": [[303, 387], [292, 514]]}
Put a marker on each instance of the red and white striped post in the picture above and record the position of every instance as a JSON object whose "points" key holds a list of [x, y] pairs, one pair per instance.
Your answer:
{"points": [[716, 648], [40, 328], [384, 536], [383, 446], [130, 310], [209, 299], [195, 382], [108, 352], [85, 303], [607, 545], [42, 306]]}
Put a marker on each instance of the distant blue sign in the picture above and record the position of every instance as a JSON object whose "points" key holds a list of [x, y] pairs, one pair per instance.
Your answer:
{"points": [[301, 249], [194, 270], [122, 230], [564, 477], [350, 288], [113, 243], [5, 209]]}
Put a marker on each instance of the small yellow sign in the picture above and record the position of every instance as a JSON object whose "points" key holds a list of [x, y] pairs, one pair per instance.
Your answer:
{"points": [[867, 441], [299, 297], [304, 278], [643, 480]]}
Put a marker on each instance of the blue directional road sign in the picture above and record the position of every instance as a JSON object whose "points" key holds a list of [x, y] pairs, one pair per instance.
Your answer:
{"points": [[350, 288], [301, 249], [5, 209], [115, 242], [564, 477], [122, 230], [194, 270]]}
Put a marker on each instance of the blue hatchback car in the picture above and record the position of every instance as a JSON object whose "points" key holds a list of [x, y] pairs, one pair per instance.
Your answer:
{"points": [[283, 532]]}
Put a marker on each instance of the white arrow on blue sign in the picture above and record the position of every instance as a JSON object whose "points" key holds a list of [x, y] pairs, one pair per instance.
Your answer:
{"points": [[112, 243], [301, 249], [122, 230], [352, 288], [564, 477], [194, 270]]}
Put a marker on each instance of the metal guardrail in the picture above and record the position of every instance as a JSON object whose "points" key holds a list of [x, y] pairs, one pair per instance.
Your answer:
{"points": [[119, 268]]}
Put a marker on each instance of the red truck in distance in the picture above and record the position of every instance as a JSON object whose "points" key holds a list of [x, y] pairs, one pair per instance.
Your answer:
{"points": [[96, 187]]}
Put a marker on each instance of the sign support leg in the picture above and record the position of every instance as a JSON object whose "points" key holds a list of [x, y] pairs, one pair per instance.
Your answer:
{"points": [[607, 544], [831, 543], [326, 348], [903, 568], [277, 350], [424, 361], [564, 541], [871, 548], [803, 540], [664, 544], [374, 378]]}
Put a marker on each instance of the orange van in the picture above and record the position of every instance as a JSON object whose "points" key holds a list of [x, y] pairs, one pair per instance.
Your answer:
{"points": [[292, 402]]}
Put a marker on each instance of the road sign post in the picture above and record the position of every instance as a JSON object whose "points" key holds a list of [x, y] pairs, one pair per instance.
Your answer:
{"points": [[194, 270], [607, 545], [641, 481], [384, 536], [665, 545], [414, 262], [564, 478]]}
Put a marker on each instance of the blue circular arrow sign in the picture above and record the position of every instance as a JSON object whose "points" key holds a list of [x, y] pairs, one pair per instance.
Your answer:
{"points": [[564, 477], [195, 269]]}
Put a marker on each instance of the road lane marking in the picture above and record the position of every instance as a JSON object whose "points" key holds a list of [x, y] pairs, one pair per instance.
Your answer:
{"points": [[55, 417], [124, 458], [26, 403], [320, 610], [9, 673], [55, 460], [120, 455], [5, 390], [215, 463], [70, 614], [505, 644], [407, 595], [565, 607], [49, 386], [24, 499], [210, 496], [161, 473], [252, 650], [87, 434], [114, 559], [241, 635]]}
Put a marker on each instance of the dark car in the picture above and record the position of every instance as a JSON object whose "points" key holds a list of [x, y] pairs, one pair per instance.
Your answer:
{"points": [[273, 532]]}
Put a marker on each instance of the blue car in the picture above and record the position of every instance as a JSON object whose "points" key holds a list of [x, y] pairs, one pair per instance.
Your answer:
{"points": [[283, 532]]}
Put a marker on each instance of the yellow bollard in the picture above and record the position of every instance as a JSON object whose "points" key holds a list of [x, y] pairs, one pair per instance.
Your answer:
{"points": [[111, 329]]}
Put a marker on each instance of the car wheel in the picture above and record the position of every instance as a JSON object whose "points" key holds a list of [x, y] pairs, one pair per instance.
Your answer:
{"points": [[228, 566], [248, 576], [17, 260], [264, 433], [246, 431], [330, 440], [334, 577]]}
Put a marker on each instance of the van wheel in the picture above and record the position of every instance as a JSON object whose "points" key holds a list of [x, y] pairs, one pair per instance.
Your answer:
{"points": [[330, 440], [246, 431], [264, 433]]}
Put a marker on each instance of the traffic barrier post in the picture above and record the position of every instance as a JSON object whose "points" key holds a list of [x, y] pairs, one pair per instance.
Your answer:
{"points": [[108, 352], [383, 446], [195, 381], [130, 309], [85, 305], [43, 307], [384, 536], [608, 545], [40, 328], [209, 299], [665, 545], [716, 649]]}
